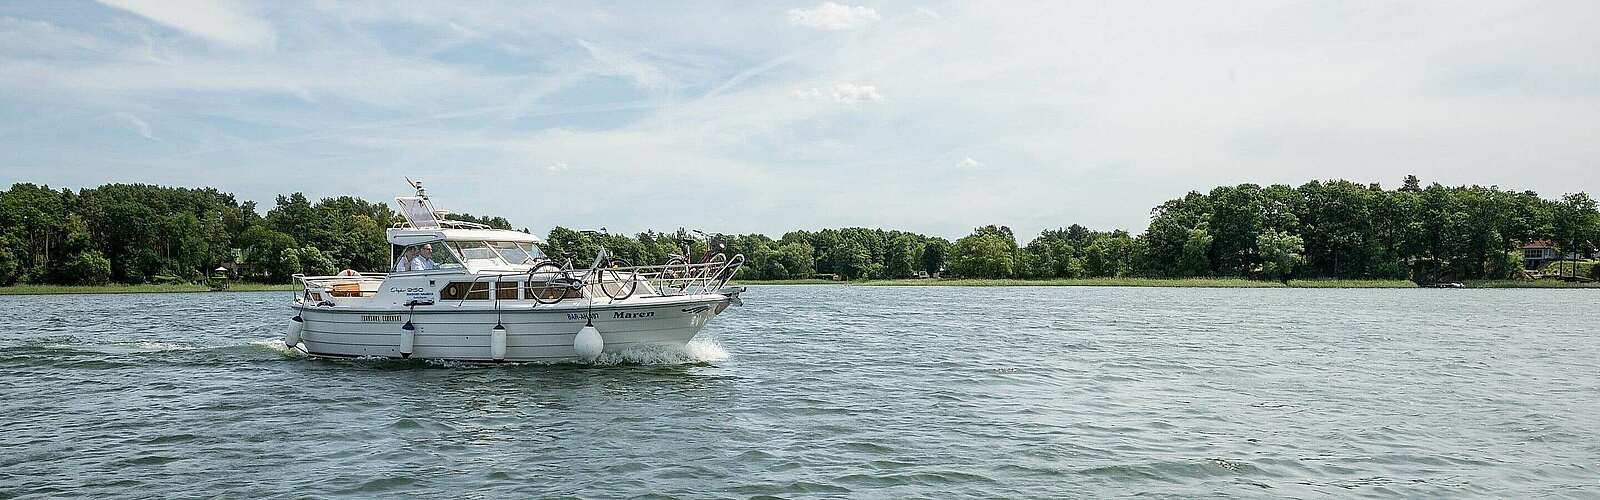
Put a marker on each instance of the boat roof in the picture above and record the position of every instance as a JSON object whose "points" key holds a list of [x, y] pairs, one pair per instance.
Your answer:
{"points": [[412, 236]]}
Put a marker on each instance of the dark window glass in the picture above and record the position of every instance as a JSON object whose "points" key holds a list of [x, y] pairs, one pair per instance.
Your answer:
{"points": [[505, 290], [458, 290]]}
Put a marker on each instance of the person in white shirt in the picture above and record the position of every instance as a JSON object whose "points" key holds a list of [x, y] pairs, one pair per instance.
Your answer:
{"points": [[403, 263], [424, 261]]}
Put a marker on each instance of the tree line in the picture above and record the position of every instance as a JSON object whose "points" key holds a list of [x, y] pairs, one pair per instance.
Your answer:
{"points": [[136, 233]]}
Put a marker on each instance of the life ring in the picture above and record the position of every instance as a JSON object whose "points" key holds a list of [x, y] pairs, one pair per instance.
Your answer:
{"points": [[349, 273]]}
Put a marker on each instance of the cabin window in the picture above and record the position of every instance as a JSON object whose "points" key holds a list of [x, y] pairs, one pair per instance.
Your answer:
{"points": [[460, 290], [423, 257], [481, 254], [473, 250], [517, 252], [505, 290]]}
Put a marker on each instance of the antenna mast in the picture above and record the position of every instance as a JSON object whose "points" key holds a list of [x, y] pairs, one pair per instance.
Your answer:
{"points": [[417, 184]]}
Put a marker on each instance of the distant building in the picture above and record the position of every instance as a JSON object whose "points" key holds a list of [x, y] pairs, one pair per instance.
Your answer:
{"points": [[237, 267], [1536, 254]]}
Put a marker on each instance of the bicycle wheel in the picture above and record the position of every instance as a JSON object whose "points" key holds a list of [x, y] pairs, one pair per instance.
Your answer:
{"points": [[728, 271], [675, 273], [548, 283], [612, 282], [710, 266]]}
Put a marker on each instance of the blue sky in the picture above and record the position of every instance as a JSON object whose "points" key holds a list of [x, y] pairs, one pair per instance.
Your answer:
{"points": [[768, 116]]}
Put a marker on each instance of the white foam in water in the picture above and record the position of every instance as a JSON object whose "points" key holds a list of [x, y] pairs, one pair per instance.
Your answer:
{"points": [[699, 350], [163, 346], [706, 349], [277, 345]]}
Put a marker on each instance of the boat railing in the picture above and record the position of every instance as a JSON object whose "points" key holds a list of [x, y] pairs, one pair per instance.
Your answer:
{"points": [[661, 280], [669, 279], [685, 278], [345, 277], [444, 224], [344, 284]]}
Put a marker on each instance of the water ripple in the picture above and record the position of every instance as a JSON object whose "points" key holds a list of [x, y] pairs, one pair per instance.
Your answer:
{"points": [[833, 391]]}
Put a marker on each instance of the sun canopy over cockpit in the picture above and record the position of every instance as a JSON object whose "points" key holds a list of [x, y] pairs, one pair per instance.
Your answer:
{"points": [[408, 236]]}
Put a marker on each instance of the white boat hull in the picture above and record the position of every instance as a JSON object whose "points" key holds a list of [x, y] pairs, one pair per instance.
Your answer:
{"points": [[533, 332]]}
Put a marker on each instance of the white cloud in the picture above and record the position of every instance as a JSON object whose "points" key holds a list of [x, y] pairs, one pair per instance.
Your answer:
{"points": [[832, 16], [219, 21], [844, 93], [615, 62], [1066, 102], [138, 125]]}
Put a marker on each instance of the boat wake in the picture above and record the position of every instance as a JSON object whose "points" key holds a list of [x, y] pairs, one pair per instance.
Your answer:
{"points": [[279, 347], [696, 352]]}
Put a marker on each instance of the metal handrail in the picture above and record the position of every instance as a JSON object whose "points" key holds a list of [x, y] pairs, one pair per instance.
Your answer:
{"points": [[666, 280], [319, 281], [705, 277]]}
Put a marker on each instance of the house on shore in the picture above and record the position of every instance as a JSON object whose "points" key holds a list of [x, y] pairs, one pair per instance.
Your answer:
{"points": [[1538, 253]]}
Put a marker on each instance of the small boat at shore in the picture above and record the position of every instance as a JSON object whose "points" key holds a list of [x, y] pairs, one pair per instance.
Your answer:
{"points": [[466, 292]]}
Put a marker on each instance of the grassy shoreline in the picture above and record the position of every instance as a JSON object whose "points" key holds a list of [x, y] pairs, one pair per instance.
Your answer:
{"points": [[1173, 283], [1170, 282], [145, 288], [1526, 284]]}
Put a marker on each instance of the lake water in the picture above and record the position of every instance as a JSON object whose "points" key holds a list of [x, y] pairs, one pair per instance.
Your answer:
{"points": [[838, 391]]}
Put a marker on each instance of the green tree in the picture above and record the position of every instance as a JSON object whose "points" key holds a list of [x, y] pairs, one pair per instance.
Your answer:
{"points": [[268, 254], [933, 255], [900, 256], [1575, 224], [1003, 233], [1054, 253], [656, 248], [796, 259], [982, 255], [1033, 265], [1281, 254], [1336, 220], [849, 259], [1195, 260], [283, 268], [9, 265], [1169, 234], [1096, 263], [1237, 215], [90, 268], [313, 262], [563, 244]]}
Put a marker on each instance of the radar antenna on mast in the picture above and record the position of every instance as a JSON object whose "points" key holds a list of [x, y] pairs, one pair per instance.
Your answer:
{"points": [[417, 184]]}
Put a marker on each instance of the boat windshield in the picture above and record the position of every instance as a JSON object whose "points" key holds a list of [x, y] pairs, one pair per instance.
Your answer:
{"points": [[517, 253], [423, 257], [495, 253], [476, 253]]}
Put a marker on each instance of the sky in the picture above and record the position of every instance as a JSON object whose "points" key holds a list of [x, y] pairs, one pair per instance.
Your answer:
{"points": [[741, 117]]}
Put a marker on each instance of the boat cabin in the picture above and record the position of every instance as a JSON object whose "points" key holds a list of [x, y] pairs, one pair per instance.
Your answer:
{"points": [[433, 260], [463, 249]]}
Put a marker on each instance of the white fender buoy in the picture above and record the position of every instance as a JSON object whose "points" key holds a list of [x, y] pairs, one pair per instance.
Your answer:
{"points": [[408, 339], [497, 342], [295, 326], [588, 343]]}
